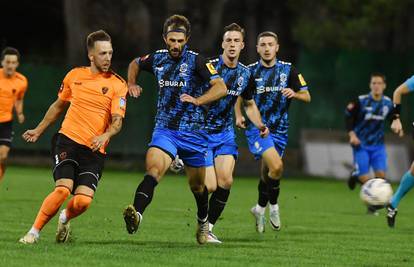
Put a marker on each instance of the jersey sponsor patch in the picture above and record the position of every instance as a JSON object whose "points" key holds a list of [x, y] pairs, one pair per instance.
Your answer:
{"points": [[211, 68], [301, 80]]}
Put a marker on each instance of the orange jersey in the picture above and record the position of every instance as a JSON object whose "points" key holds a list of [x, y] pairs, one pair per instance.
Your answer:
{"points": [[93, 98], [11, 89]]}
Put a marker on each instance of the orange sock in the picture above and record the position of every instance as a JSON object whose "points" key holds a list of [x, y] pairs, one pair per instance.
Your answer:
{"points": [[77, 205], [50, 206]]}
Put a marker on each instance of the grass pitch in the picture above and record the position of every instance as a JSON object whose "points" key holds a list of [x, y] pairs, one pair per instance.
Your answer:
{"points": [[323, 224]]}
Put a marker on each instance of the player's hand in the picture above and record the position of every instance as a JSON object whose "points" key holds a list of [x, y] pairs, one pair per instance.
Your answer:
{"points": [[189, 99], [20, 118], [32, 135], [241, 122], [396, 127], [99, 141], [354, 140], [264, 131], [289, 93], [134, 90]]}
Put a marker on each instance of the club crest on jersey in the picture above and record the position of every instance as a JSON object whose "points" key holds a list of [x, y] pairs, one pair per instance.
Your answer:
{"points": [[385, 111], [105, 90], [122, 103], [240, 81], [283, 78], [183, 67]]}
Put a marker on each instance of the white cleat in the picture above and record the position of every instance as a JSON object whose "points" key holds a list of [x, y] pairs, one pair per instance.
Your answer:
{"points": [[202, 232], [274, 218], [29, 238], [63, 231], [212, 238], [260, 220]]}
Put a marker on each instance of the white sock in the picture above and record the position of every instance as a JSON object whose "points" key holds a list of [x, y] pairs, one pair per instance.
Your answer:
{"points": [[274, 207], [210, 227], [34, 231], [62, 217], [261, 210], [139, 216]]}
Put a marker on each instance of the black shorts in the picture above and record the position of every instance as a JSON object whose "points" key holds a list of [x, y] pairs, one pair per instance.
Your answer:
{"points": [[77, 162], [6, 133]]}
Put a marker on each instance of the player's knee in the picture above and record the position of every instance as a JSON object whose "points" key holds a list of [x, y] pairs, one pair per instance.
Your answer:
{"points": [[226, 182], [81, 203], [276, 170], [62, 192], [197, 187], [3, 157], [211, 186], [154, 172]]}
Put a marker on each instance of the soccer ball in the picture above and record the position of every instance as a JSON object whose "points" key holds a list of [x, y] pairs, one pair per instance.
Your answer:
{"points": [[376, 191]]}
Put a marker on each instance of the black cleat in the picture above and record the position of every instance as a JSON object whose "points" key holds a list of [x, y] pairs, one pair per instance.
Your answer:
{"points": [[132, 219], [391, 214], [352, 181]]}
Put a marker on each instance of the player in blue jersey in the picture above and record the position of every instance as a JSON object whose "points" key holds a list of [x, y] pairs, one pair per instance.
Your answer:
{"points": [[407, 180], [365, 119], [222, 152], [276, 84], [182, 76]]}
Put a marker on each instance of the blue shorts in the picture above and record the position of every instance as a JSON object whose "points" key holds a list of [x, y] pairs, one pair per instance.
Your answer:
{"points": [[369, 156], [258, 145], [223, 143], [191, 147]]}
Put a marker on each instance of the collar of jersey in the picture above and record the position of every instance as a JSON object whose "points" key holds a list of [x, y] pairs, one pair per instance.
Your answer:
{"points": [[224, 64], [185, 49]]}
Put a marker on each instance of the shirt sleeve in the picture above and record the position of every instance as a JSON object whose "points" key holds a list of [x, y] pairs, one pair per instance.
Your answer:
{"points": [[248, 92], [410, 83], [118, 105], [65, 92], [296, 80], [23, 89], [145, 62], [205, 69], [351, 113]]}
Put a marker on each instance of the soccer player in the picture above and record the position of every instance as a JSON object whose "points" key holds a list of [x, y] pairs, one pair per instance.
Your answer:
{"points": [[96, 99], [222, 147], [407, 180], [365, 118], [186, 82], [276, 84], [13, 86]]}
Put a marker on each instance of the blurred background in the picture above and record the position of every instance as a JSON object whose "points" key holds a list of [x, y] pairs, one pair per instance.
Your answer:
{"points": [[335, 44]]}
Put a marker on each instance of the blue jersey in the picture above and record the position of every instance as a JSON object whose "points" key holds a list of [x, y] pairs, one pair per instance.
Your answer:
{"points": [[410, 83], [187, 74], [269, 82], [366, 117], [239, 82]]}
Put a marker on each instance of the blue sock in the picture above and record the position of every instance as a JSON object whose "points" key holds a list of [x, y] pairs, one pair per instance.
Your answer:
{"points": [[406, 183]]}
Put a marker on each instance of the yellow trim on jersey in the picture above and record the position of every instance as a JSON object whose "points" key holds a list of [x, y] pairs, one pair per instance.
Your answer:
{"points": [[211, 69], [302, 81]]}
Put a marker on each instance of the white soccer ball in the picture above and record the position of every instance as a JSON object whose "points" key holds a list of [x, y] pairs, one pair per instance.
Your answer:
{"points": [[376, 191]]}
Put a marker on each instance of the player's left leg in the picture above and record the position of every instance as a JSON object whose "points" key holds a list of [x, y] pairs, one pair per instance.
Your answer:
{"points": [[4, 152], [406, 184]]}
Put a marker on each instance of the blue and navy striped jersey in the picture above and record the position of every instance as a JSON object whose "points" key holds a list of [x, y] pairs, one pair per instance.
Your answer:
{"points": [[239, 82], [269, 82], [368, 118], [188, 74]]}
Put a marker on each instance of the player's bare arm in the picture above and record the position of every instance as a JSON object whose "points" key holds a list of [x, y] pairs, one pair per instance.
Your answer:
{"points": [[253, 114], [112, 130], [240, 120], [18, 106], [396, 125], [302, 95], [51, 116], [134, 89], [217, 90]]}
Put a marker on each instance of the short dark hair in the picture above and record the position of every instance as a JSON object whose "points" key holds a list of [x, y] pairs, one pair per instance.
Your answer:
{"points": [[177, 21], [93, 37], [234, 27], [10, 51], [267, 33], [378, 74]]}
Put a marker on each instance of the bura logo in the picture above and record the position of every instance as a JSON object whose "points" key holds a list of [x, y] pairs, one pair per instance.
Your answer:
{"points": [[263, 89], [233, 92], [163, 83]]}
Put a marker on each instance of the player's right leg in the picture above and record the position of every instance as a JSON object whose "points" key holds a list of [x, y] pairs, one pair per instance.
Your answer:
{"points": [[406, 184], [159, 156], [6, 137]]}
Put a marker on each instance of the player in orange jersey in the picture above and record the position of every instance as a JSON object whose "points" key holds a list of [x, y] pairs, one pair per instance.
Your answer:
{"points": [[13, 85], [97, 107]]}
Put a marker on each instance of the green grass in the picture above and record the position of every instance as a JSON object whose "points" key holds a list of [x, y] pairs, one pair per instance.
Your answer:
{"points": [[324, 224]]}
